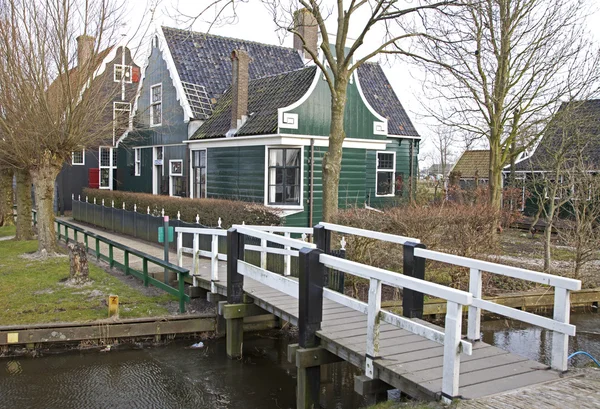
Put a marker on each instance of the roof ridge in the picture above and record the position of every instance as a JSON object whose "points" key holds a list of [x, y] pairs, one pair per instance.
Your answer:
{"points": [[227, 38]]}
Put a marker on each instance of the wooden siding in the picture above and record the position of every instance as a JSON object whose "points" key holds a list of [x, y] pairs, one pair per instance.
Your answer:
{"points": [[236, 173], [126, 171], [314, 115]]}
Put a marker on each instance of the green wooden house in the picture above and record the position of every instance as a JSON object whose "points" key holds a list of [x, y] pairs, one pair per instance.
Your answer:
{"points": [[249, 121]]}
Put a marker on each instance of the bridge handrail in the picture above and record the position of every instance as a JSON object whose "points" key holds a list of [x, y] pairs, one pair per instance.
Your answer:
{"points": [[392, 238], [284, 241], [281, 229], [127, 251]]}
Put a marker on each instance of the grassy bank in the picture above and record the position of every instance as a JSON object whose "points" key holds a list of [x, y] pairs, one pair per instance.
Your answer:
{"points": [[34, 291], [7, 231]]}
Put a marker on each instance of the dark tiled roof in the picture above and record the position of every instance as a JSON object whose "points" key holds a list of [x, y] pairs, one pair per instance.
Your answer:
{"points": [[205, 59], [576, 124], [383, 99], [265, 95], [475, 163]]}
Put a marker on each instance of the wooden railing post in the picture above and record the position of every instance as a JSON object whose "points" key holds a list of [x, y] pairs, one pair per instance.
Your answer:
{"points": [[412, 301], [322, 238], [310, 293], [263, 254], [235, 292], [214, 261], [373, 321], [181, 281], [145, 271], [287, 259], [85, 240], [111, 259], [180, 249], [452, 337], [195, 255], [97, 248], [474, 320], [560, 342], [126, 262]]}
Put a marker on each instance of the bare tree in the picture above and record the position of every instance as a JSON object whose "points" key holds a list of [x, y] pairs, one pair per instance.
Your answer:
{"points": [[6, 197], [341, 55], [502, 66], [50, 104]]}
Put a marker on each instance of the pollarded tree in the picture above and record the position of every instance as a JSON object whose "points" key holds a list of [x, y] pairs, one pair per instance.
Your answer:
{"points": [[344, 28], [499, 68], [50, 104]]}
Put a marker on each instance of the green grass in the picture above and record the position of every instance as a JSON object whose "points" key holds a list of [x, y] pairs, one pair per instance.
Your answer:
{"points": [[32, 291], [7, 231]]}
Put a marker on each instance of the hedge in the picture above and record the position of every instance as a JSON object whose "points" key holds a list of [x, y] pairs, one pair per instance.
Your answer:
{"points": [[209, 210]]}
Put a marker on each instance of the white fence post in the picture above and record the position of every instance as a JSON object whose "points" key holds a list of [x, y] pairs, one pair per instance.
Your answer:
{"points": [[195, 261], [180, 249], [263, 254], [373, 320], [287, 259], [560, 342], [452, 335], [474, 321], [214, 261]]}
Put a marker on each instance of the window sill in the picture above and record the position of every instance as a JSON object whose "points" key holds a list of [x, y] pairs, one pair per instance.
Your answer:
{"points": [[155, 125], [286, 207], [390, 195], [78, 164]]}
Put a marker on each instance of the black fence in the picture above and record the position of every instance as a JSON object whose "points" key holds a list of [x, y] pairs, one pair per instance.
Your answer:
{"points": [[145, 226]]}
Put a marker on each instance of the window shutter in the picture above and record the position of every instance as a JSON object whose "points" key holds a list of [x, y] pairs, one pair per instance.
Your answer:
{"points": [[135, 74]]}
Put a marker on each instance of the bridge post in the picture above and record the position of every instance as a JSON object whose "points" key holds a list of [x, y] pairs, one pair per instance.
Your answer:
{"points": [[235, 292], [322, 238], [312, 274], [412, 301]]}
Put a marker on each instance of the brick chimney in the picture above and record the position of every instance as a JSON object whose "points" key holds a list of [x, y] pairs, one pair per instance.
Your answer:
{"points": [[239, 87], [306, 25], [85, 49]]}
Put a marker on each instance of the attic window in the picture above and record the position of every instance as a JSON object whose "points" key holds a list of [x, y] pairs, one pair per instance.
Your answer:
{"points": [[156, 105], [122, 73], [198, 100]]}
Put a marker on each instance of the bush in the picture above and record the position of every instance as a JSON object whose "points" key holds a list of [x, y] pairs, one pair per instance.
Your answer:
{"points": [[209, 210]]}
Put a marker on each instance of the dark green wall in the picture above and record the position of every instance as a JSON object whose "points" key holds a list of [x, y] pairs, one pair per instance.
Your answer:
{"points": [[125, 170], [314, 115], [236, 173]]}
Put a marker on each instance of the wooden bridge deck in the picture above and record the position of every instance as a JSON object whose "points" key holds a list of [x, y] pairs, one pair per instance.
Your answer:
{"points": [[408, 362]]}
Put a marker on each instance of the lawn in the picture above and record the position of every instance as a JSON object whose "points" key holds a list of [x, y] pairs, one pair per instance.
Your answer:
{"points": [[7, 231], [34, 291]]}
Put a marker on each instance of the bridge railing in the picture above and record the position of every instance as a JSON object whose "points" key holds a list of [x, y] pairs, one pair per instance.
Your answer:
{"points": [[310, 285], [559, 323]]}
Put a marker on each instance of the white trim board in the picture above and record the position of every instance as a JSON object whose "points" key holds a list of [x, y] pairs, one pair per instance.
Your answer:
{"points": [[285, 140]]}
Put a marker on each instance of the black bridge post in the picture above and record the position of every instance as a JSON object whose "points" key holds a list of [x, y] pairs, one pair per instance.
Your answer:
{"points": [[312, 274], [412, 301], [322, 238], [235, 292]]}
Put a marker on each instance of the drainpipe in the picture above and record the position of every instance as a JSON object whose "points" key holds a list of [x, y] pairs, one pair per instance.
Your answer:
{"points": [[312, 178], [410, 171]]}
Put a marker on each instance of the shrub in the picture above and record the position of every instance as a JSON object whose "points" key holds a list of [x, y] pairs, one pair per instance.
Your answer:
{"points": [[209, 210]]}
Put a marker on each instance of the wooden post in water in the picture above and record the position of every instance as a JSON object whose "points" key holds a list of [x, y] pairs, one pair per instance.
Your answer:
{"points": [[412, 301], [312, 274], [235, 292]]}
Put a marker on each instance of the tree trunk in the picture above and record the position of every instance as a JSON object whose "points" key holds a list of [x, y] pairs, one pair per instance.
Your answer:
{"points": [[547, 245], [44, 177], [79, 272], [495, 182], [6, 198], [332, 160], [24, 227]]}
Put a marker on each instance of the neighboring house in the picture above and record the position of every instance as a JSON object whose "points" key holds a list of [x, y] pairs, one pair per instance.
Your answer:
{"points": [[96, 165], [226, 118], [471, 170], [574, 130]]}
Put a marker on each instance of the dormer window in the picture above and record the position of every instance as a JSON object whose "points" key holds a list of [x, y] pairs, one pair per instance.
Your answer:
{"points": [[122, 73], [156, 105]]}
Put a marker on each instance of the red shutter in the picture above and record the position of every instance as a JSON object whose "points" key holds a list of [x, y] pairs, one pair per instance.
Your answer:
{"points": [[94, 178], [135, 74]]}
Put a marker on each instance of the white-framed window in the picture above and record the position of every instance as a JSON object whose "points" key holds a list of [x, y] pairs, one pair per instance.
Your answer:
{"points": [[156, 105], [108, 162], [386, 168], [198, 160], [137, 162], [176, 183], [284, 180], [78, 157], [122, 73], [121, 112]]}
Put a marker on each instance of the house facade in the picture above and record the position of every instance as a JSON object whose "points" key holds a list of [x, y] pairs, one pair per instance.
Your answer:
{"points": [[95, 166], [224, 118]]}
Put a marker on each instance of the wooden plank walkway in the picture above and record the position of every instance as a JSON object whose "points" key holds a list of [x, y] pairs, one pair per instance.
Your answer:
{"points": [[408, 362]]}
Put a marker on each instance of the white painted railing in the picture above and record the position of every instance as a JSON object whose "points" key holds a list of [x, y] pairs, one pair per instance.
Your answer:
{"points": [[559, 324], [195, 251], [286, 252], [392, 238], [450, 338]]}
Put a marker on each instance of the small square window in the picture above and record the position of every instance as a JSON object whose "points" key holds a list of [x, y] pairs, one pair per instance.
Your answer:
{"points": [[122, 73], [78, 157], [176, 167]]}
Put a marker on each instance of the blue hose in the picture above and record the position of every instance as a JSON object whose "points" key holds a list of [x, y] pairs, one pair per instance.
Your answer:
{"points": [[586, 354]]}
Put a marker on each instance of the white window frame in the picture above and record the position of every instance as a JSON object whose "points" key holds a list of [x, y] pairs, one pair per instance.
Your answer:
{"points": [[172, 175], [393, 171], [82, 163], [124, 71], [120, 109], [155, 174], [152, 103], [137, 162], [191, 194], [110, 167], [266, 173]]}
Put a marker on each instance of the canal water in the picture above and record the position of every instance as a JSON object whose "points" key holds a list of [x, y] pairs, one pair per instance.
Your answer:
{"points": [[178, 377]]}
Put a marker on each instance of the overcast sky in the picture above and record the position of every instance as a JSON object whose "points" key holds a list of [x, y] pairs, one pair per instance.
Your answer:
{"points": [[255, 24]]}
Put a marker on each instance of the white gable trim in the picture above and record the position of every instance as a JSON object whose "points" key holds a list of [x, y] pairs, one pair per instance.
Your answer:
{"points": [[282, 120], [369, 107]]}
